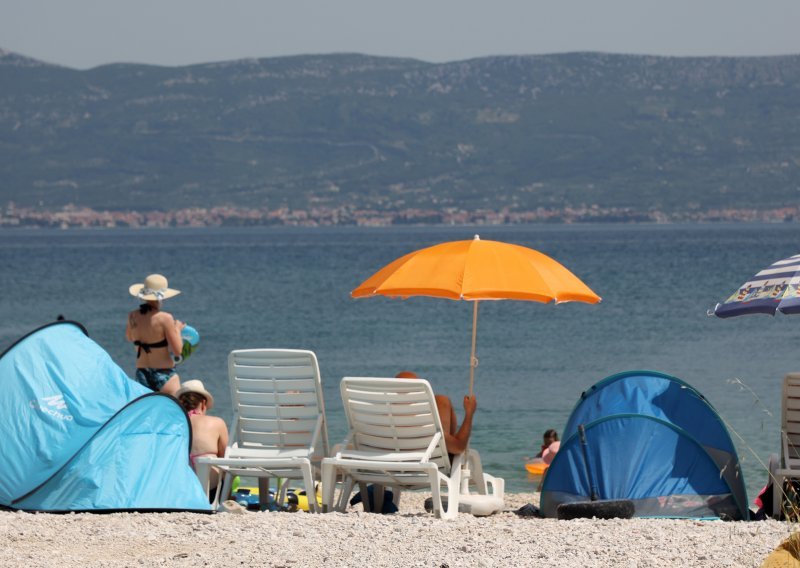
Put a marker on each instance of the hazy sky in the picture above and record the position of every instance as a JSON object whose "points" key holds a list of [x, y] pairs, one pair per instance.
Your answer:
{"points": [[85, 33]]}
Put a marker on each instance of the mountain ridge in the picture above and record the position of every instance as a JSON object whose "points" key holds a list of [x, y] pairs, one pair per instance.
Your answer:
{"points": [[350, 130]]}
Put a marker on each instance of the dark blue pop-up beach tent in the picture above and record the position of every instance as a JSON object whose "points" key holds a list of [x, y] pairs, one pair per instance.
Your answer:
{"points": [[79, 435], [650, 438]]}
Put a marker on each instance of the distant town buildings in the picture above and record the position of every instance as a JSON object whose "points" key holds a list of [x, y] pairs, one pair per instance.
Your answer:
{"points": [[80, 217]]}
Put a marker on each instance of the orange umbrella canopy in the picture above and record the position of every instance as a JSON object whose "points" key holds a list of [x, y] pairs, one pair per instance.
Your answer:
{"points": [[478, 270]]}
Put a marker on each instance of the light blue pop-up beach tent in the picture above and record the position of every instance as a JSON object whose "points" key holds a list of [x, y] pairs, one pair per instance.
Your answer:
{"points": [[650, 438], [79, 435]]}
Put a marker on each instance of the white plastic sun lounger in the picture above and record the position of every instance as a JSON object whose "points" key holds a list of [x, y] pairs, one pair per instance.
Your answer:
{"points": [[789, 466], [279, 427], [395, 440]]}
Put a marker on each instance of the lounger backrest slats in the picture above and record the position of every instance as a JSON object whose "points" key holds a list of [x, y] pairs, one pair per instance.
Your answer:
{"points": [[271, 425], [403, 398], [278, 358], [275, 386], [277, 440], [395, 444], [276, 414], [284, 371], [277, 398], [393, 416], [790, 420], [394, 420]]}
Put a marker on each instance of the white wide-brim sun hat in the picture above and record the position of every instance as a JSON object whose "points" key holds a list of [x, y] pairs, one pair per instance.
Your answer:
{"points": [[155, 287], [196, 385]]}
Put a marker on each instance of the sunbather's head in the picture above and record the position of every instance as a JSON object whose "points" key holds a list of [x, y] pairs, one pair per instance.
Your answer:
{"points": [[193, 394], [406, 375]]}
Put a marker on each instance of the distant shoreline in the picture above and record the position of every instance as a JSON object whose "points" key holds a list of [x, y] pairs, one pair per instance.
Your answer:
{"points": [[73, 217]]}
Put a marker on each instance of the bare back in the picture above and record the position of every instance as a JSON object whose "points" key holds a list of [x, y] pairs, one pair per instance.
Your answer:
{"points": [[151, 328], [209, 435]]}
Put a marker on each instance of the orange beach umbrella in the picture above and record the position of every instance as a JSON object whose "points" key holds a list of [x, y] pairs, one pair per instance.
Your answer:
{"points": [[477, 270]]}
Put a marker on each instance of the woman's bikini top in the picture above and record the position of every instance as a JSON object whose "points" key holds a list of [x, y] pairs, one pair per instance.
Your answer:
{"points": [[146, 347]]}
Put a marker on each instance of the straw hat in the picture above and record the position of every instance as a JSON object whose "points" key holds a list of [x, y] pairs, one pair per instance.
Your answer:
{"points": [[155, 287], [196, 385]]}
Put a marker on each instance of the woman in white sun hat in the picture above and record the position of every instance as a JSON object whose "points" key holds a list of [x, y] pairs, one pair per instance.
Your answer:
{"points": [[156, 335], [209, 433]]}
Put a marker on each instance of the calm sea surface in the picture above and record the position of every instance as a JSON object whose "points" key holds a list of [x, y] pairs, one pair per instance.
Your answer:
{"points": [[263, 287]]}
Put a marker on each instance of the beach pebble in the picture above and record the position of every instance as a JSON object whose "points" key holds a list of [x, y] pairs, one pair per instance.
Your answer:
{"points": [[408, 538]]}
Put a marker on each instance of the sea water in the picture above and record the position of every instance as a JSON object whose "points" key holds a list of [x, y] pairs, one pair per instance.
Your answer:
{"points": [[289, 288]]}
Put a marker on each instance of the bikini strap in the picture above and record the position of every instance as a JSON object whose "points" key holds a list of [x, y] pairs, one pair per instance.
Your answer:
{"points": [[146, 347]]}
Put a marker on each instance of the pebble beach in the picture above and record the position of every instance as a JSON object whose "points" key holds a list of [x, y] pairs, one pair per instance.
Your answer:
{"points": [[411, 537]]}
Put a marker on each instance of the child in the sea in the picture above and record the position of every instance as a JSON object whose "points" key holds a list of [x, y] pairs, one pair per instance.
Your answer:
{"points": [[550, 445], [548, 449]]}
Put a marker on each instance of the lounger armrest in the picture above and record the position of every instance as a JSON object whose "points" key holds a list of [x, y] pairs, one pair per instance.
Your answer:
{"points": [[206, 459], [251, 462], [432, 446], [395, 457], [346, 444]]}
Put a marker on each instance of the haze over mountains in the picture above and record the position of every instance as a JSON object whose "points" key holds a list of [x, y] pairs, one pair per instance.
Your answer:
{"points": [[514, 132]]}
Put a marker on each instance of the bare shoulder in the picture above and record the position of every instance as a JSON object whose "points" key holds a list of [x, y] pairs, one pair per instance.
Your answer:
{"points": [[207, 419], [133, 318], [165, 317], [218, 422]]}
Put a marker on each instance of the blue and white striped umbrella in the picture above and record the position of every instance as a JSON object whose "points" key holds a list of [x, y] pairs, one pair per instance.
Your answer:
{"points": [[774, 288]]}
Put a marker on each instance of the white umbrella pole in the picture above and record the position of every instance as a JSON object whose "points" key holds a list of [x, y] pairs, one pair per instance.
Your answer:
{"points": [[473, 361]]}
